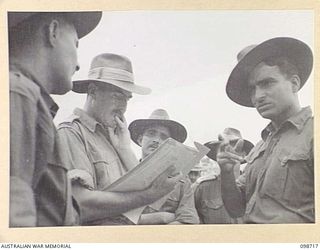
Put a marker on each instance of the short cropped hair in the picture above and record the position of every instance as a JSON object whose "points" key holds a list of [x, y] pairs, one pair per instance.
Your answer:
{"points": [[23, 33], [285, 66]]}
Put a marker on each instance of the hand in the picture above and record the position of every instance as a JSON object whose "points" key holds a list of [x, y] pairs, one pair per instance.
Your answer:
{"points": [[120, 136], [228, 156], [164, 184], [156, 218]]}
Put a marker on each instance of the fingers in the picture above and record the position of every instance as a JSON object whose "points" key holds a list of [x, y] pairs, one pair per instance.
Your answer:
{"points": [[239, 146], [229, 155], [120, 123]]}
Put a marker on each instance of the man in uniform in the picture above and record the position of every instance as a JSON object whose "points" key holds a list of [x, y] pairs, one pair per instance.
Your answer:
{"points": [[43, 58], [98, 145], [208, 200], [278, 182], [149, 134]]}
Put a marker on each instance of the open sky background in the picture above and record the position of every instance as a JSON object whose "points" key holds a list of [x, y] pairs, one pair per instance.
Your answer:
{"points": [[186, 57]]}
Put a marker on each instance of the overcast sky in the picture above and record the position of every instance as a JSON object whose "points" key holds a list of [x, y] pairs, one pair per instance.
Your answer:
{"points": [[186, 57]]}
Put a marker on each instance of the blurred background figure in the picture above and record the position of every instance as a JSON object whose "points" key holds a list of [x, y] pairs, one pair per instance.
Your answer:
{"points": [[207, 188]]}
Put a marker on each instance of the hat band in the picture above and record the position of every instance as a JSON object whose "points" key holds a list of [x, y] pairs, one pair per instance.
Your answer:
{"points": [[107, 73]]}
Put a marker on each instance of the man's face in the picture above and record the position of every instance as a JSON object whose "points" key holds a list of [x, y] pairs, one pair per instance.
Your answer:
{"points": [[271, 92], [194, 175], [109, 103], [152, 138], [65, 61]]}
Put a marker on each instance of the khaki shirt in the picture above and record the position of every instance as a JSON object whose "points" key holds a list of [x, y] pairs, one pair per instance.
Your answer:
{"points": [[209, 203], [278, 181], [40, 192], [95, 163]]}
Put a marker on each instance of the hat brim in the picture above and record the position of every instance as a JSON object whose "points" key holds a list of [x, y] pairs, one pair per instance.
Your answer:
{"points": [[83, 21], [214, 146], [177, 130], [296, 51], [81, 86]]}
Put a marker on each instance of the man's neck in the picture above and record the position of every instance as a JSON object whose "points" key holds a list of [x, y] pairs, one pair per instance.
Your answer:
{"points": [[293, 110], [34, 68]]}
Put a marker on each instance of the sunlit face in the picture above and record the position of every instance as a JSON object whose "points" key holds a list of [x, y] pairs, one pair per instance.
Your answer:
{"points": [[271, 91], [152, 138], [108, 103], [65, 60]]}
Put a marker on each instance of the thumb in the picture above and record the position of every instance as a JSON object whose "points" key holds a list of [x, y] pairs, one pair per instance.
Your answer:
{"points": [[239, 146]]}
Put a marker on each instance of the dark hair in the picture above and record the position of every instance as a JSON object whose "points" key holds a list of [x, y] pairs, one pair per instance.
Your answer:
{"points": [[24, 32], [285, 66]]}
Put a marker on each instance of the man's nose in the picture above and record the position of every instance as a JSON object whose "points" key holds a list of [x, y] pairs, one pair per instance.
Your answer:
{"points": [[157, 139], [259, 95], [77, 67]]}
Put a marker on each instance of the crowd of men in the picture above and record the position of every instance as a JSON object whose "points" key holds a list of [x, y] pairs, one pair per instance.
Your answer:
{"points": [[59, 176]]}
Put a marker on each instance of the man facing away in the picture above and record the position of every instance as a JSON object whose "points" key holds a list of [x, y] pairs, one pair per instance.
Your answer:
{"points": [[149, 134], [43, 58], [99, 145], [278, 182]]}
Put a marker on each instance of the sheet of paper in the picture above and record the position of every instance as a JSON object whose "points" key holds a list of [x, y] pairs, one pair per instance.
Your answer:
{"points": [[171, 152]]}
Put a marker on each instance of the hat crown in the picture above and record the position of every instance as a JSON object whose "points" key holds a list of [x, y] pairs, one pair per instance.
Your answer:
{"points": [[159, 114], [108, 60], [232, 133], [245, 51]]}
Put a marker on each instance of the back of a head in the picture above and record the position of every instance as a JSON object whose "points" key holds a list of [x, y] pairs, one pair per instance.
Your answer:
{"points": [[27, 32]]}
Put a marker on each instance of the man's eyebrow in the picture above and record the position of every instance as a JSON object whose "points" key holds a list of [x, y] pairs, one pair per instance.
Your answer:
{"points": [[268, 78]]}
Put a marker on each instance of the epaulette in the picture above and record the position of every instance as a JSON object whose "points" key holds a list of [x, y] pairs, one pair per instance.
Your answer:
{"points": [[206, 178]]}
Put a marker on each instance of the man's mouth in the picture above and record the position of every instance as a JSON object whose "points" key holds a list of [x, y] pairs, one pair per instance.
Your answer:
{"points": [[264, 107], [154, 146]]}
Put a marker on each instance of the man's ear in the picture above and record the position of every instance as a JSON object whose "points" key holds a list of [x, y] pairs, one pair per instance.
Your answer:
{"points": [[139, 140], [92, 90], [295, 80], [53, 32]]}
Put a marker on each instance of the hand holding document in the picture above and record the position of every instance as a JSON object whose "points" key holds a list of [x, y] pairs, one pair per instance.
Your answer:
{"points": [[170, 153]]}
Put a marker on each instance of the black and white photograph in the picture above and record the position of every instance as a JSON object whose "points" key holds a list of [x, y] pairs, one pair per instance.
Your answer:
{"points": [[184, 119]]}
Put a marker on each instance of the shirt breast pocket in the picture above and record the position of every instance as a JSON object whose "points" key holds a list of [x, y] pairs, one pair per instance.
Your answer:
{"points": [[213, 211], [106, 170], [171, 204], [288, 177]]}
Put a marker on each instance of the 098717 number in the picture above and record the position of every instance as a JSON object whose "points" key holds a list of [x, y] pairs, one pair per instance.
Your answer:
{"points": [[309, 245]]}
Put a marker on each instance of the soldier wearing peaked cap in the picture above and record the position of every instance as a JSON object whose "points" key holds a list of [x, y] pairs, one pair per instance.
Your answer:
{"points": [[43, 58], [98, 144], [278, 182]]}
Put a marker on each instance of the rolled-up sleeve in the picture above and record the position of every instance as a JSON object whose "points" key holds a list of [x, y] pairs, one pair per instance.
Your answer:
{"points": [[81, 169]]}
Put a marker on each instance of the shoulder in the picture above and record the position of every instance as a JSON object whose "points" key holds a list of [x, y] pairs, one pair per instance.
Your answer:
{"points": [[21, 85], [70, 123]]}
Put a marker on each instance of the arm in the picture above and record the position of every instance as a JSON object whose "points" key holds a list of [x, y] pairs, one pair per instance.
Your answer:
{"points": [[186, 212], [23, 112], [156, 218], [101, 204], [233, 197]]}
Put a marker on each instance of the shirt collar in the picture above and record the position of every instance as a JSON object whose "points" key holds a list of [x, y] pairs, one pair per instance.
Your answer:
{"points": [[298, 120], [52, 106], [85, 119]]}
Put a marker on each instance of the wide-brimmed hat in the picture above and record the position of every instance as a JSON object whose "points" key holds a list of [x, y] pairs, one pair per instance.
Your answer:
{"points": [[157, 117], [297, 52], [112, 69], [83, 21], [231, 134]]}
